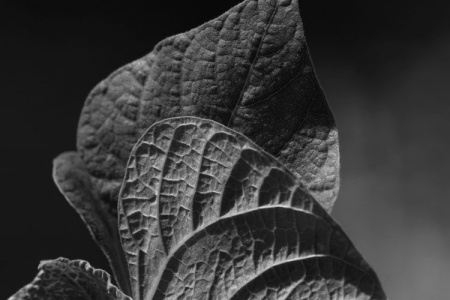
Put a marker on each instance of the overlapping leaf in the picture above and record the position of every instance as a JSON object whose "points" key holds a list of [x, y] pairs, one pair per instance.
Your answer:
{"points": [[207, 214], [248, 69], [64, 279]]}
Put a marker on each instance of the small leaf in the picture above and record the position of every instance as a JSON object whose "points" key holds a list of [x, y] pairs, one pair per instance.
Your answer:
{"points": [[206, 214], [73, 180], [248, 69], [64, 279]]}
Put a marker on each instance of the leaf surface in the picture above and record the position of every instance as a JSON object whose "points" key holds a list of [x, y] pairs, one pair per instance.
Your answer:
{"points": [[64, 279], [204, 213], [73, 180], [248, 69]]}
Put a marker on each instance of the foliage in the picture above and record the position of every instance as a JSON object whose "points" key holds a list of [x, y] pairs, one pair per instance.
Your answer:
{"points": [[217, 155]]}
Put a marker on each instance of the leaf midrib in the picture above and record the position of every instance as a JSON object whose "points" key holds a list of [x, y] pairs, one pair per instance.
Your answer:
{"points": [[241, 95]]}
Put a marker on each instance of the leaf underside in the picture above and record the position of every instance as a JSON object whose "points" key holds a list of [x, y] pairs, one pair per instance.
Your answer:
{"points": [[204, 213], [64, 279]]}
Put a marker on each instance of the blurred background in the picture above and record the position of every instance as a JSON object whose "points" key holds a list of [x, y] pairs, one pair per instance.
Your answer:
{"points": [[385, 69]]}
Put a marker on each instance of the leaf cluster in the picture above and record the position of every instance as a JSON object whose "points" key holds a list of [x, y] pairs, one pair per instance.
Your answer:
{"points": [[207, 170]]}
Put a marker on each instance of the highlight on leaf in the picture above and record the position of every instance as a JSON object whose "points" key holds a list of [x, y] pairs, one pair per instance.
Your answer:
{"points": [[205, 213]]}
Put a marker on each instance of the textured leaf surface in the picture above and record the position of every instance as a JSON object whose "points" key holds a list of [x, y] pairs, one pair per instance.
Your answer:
{"points": [[248, 69], [207, 214], [73, 180], [63, 279]]}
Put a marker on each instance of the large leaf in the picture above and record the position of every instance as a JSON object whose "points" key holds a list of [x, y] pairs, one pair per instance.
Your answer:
{"points": [[63, 279], [72, 179], [248, 69], [207, 214]]}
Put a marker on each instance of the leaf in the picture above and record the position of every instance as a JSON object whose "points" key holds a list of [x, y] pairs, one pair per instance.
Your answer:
{"points": [[65, 279], [204, 213], [248, 69], [73, 180]]}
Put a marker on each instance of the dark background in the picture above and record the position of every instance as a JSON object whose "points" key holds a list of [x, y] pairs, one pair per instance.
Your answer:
{"points": [[384, 66]]}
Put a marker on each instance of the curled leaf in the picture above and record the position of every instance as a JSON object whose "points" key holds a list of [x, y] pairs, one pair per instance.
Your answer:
{"points": [[65, 279], [206, 214], [73, 180], [248, 69]]}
